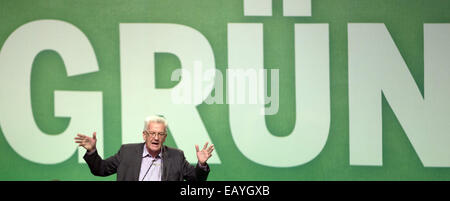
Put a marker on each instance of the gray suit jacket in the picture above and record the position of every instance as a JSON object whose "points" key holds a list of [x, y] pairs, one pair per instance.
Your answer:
{"points": [[127, 164]]}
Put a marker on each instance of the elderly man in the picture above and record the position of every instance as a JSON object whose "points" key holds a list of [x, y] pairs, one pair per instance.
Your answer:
{"points": [[148, 161]]}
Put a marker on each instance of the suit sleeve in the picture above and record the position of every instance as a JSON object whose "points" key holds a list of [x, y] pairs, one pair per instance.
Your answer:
{"points": [[100, 167], [193, 173]]}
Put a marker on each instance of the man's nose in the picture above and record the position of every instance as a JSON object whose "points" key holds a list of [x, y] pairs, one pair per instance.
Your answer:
{"points": [[156, 137]]}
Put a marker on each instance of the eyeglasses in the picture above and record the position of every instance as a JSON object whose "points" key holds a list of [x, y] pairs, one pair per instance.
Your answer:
{"points": [[153, 134]]}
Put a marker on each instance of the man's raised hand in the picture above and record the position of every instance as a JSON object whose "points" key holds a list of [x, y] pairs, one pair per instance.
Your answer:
{"points": [[87, 142], [204, 154]]}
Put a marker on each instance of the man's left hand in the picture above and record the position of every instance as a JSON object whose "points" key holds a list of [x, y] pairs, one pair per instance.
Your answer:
{"points": [[204, 154]]}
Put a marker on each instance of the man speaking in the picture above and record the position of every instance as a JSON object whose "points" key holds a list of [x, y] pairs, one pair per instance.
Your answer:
{"points": [[148, 161]]}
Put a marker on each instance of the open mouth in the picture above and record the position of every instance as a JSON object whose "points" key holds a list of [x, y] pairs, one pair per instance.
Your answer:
{"points": [[155, 143]]}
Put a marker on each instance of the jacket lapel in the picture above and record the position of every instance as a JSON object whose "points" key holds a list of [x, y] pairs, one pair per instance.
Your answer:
{"points": [[166, 164], [137, 169]]}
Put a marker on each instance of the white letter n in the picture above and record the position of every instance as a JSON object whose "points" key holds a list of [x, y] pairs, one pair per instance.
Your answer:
{"points": [[376, 67]]}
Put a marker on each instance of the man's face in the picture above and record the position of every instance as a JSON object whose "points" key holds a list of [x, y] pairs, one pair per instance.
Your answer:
{"points": [[154, 136]]}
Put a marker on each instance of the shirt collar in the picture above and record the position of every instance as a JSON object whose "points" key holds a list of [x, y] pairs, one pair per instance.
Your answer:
{"points": [[145, 153]]}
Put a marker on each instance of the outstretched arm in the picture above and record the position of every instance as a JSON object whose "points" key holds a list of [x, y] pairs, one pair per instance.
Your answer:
{"points": [[97, 165]]}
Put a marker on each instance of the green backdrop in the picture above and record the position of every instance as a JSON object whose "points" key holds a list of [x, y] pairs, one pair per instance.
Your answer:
{"points": [[99, 20]]}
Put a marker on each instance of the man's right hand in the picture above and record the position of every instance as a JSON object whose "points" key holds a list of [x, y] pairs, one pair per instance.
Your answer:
{"points": [[87, 142]]}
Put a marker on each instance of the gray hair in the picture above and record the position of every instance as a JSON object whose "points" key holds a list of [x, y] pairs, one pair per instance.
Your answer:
{"points": [[156, 119]]}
